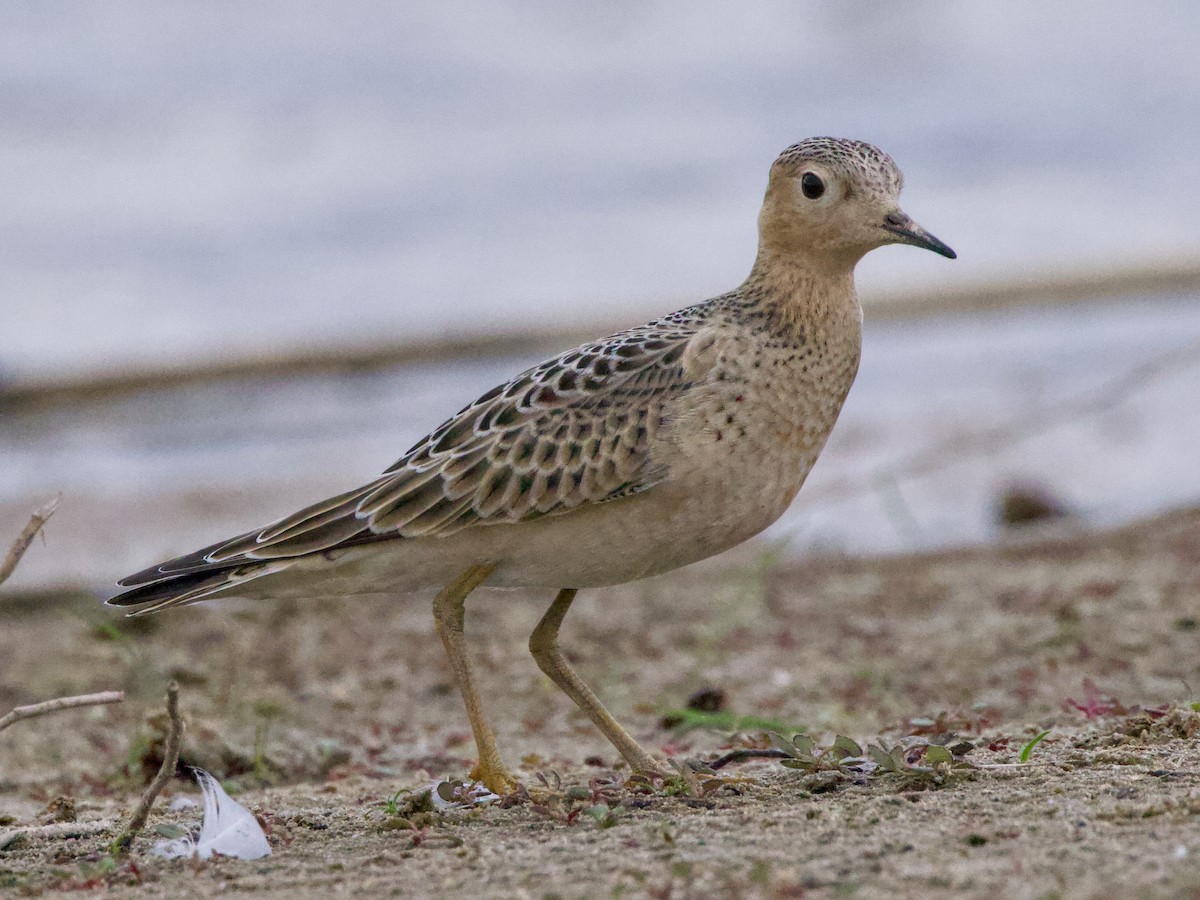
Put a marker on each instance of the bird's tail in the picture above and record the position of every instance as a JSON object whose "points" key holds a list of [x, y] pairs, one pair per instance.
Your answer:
{"points": [[180, 590]]}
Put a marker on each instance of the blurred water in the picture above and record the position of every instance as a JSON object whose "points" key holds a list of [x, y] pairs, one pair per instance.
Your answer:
{"points": [[190, 180], [161, 472]]}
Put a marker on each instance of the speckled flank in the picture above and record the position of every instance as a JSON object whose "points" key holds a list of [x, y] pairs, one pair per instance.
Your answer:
{"points": [[625, 456]]}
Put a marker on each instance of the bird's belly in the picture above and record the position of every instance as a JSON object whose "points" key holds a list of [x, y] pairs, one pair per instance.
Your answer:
{"points": [[672, 525]]}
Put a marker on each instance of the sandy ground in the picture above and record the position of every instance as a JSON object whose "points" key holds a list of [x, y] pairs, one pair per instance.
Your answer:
{"points": [[315, 716]]}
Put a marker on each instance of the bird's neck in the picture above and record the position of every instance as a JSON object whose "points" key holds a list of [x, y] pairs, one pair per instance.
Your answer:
{"points": [[805, 290]]}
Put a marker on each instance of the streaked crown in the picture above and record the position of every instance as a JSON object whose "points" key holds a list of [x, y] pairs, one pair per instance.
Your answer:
{"points": [[863, 162]]}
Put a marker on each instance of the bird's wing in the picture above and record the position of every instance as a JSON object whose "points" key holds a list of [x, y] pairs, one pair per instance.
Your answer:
{"points": [[572, 431]]}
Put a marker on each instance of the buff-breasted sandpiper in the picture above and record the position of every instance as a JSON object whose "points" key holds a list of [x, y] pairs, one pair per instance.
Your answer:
{"points": [[622, 458]]}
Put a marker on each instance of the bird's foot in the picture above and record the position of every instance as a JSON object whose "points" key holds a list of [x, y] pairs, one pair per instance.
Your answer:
{"points": [[494, 775]]}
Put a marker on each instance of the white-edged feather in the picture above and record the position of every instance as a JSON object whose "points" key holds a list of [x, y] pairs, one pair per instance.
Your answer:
{"points": [[228, 828]]}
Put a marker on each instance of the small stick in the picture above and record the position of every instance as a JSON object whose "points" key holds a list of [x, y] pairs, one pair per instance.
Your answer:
{"points": [[41, 709], [170, 760], [58, 829], [737, 756], [36, 522]]}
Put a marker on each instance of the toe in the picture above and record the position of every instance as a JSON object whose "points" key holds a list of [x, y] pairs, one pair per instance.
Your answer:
{"points": [[496, 779]]}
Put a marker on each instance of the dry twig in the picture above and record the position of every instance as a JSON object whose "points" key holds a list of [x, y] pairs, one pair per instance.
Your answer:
{"points": [[170, 760], [49, 706], [36, 522], [58, 829]]}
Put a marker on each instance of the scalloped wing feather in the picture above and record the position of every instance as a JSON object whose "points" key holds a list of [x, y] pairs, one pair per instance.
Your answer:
{"points": [[571, 431]]}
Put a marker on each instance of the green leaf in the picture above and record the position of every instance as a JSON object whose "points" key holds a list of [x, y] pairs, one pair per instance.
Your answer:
{"points": [[605, 817], [882, 758], [782, 743], [1027, 750], [938, 755], [844, 747], [805, 745]]}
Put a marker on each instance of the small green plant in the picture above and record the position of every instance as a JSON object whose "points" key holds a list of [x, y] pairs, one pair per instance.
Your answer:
{"points": [[391, 806], [407, 810], [689, 781], [600, 800], [107, 630], [1027, 750], [896, 760], [605, 816], [803, 753], [918, 763]]}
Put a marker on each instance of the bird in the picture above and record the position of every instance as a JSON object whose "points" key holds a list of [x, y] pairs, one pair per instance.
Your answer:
{"points": [[623, 458]]}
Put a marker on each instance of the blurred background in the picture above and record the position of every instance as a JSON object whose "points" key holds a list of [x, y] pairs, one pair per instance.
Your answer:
{"points": [[250, 252]]}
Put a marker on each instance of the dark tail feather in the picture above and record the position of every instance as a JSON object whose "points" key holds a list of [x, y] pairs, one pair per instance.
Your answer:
{"points": [[181, 590]]}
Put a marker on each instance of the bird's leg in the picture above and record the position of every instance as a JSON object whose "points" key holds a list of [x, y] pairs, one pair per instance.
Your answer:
{"points": [[543, 644], [448, 616]]}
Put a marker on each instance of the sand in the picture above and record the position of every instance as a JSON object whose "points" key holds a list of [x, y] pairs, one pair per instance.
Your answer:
{"points": [[315, 716]]}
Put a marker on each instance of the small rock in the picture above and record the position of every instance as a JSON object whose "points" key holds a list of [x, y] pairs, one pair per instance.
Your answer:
{"points": [[1024, 503], [821, 782], [60, 809], [707, 699]]}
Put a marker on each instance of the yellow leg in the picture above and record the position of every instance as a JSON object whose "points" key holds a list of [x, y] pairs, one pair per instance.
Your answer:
{"points": [[448, 616], [543, 644]]}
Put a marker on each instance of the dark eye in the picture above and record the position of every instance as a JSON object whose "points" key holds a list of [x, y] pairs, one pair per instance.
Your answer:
{"points": [[812, 185]]}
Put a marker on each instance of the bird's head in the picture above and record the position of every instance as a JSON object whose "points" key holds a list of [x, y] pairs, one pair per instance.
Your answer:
{"points": [[831, 200]]}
